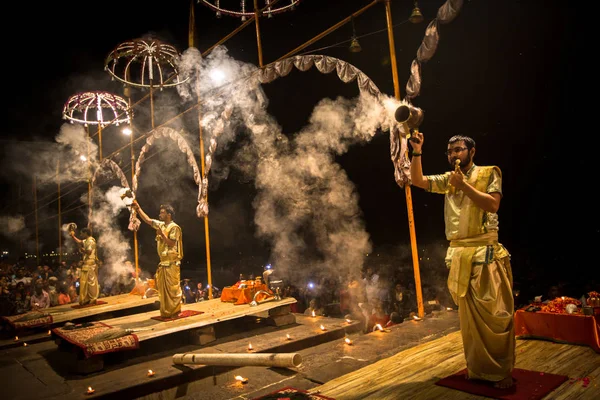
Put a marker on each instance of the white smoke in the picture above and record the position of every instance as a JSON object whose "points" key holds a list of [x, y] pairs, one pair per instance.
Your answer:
{"points": [[112, 245], [306, 206]]}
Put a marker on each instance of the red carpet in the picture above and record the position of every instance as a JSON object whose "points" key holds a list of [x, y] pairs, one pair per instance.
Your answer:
{"points": [[529, 385], [183, 314], [289, 393], [98, 302], [79, 336]]}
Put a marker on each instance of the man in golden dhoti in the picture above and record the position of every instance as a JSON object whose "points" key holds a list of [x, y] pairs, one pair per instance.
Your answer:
{"points": [[169, 244], [89, 287], [480, 278]]}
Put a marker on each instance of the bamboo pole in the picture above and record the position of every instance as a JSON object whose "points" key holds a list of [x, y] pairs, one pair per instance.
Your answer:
{"points": [[138, 288], [328, 31], [59, 211], [100, 141], [407, 190], [191, 30], [240, 359], [35, 207], [206, 225], [258, 41]]}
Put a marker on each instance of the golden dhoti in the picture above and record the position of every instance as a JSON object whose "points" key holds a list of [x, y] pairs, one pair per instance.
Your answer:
{"points": [[486, 321], [169, 289], [89, 288]]}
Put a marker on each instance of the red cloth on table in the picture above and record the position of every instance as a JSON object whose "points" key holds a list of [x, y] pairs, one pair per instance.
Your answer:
{"points": [[568, 328]]}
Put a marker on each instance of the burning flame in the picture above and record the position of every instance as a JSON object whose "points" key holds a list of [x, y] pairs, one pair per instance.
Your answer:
{"points": [[348, 320], [90, 390], [16, 338], [348, 341], [449, 308], [24, 344], [49, 332], [241, 379], [313, 314], [250, 346], [379, 327], [150, 372], [322, 327], [288, 336], [416, 318]]}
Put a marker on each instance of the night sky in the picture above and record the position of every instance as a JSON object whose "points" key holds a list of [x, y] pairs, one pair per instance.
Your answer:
{"points": [[508, 73]]}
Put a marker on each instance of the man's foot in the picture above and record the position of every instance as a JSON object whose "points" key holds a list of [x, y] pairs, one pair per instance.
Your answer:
{"points": [[504, 383]]}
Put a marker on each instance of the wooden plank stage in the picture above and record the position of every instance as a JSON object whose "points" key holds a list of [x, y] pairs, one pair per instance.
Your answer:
{"points": [[213, 311], [412, 373], [119, 304]]}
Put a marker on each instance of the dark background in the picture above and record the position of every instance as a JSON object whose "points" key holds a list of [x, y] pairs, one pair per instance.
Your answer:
{"points": [[511, 74]]}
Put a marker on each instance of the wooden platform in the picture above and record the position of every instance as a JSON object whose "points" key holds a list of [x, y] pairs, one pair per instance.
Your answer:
{"points": [[120, 304], [197, 329], [412, 373], [214, 311]]}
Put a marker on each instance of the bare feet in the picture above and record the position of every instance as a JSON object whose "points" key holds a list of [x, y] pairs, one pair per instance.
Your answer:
{"points": [[504, 383]]}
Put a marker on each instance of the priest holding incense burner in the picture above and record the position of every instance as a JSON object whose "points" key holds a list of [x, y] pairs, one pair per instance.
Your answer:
{"points": [[169, 245]]}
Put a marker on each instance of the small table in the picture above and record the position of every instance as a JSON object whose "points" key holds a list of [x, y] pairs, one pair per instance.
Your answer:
{"points": [[565, 328], [232, 294]]}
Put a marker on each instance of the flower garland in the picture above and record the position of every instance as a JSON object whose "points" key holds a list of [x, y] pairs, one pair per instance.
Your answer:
{"points": [[558, 305]]}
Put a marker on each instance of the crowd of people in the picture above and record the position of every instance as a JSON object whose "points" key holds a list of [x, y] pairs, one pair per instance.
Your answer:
{"points": [[25, 288]]}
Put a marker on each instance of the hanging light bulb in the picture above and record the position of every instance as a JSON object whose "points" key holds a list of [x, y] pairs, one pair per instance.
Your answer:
{"points": [[354, 45], [416, 16], [218, 5]]}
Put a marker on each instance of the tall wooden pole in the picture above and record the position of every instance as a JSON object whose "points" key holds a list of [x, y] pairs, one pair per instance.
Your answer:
{"points": [[35, 208], [202, 166], [258, 41], [89, 173], [138, 289], [100, 141], [59, 213], [407, 190]]}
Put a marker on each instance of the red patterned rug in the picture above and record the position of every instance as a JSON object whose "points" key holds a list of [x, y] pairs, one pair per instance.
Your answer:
{"points": [[290, 393], [31, 319], [80, 335], [529, 385], [183, 314], [98, 302]]}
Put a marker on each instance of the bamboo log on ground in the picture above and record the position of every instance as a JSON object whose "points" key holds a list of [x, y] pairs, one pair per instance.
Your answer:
{"points": [[240, 360]]}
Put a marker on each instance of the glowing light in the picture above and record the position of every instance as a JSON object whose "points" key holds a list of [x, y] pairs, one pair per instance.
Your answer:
{"points": [[217, 76], [16, 338], [150, 372], [83, 158], [90, 390], [313, 314], [24, 344], [348, 320], [416, 318], [241, 379], [322, 328], [49, 332], [250, 348], [288, 336], [127, 131], [348, 341], [379, 327], [449, 309]]}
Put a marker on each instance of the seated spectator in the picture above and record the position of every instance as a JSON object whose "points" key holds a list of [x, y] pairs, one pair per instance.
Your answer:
{"points": [[40, 298], [63, 296], [395, 319]]}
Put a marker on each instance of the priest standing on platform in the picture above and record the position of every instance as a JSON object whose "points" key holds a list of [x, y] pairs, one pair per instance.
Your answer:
{"points": [[89, 288], [169, 244]]}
